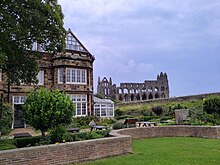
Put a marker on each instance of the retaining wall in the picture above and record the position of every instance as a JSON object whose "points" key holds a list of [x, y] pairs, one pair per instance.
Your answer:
{"points": [[66, 153], [172, 131], [120, 143]]}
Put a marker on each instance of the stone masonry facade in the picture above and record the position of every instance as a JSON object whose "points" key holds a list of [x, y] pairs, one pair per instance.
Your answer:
{"points": [[128, 92], [70, 71]]}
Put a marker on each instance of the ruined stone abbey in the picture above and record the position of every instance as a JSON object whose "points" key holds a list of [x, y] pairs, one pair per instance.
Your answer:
{"points": [[149, 89]]}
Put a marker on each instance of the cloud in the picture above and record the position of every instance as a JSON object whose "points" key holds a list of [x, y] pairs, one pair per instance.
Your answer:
{"points": [[135, 40]]}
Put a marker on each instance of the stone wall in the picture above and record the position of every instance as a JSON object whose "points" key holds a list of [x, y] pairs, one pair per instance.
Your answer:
{"points": [[171, 99], [66, 153], [173, 131]]}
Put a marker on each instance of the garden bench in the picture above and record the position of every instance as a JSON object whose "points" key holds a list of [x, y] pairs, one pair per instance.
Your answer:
{"points": [[93, 125], [129, 121], [24, 134], [146, 123], [99, 127], [73, 130]]}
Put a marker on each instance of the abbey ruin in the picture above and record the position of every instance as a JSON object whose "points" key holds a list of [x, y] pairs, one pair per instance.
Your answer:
{"points": [[149, 89]]}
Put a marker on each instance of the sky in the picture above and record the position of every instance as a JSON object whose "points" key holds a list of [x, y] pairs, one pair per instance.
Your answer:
{"points": [[135, 40]]}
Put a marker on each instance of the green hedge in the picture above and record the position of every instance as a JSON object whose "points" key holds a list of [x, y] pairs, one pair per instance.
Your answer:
{"points": [[27, 141], [39, 140]]}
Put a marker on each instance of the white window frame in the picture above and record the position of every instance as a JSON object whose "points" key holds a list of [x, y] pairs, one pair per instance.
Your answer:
{"points": [[60, 75], [103, 109], [80, 102], [76, 76], [40, 77], [18, 99], [73, 44]]}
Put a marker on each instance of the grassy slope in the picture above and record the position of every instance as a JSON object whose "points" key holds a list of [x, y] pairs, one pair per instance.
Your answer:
{"points": [[169, 151], [193, 105]]}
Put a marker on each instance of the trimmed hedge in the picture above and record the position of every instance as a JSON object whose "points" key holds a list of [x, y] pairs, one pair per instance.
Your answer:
{"points": [[39, 140]]}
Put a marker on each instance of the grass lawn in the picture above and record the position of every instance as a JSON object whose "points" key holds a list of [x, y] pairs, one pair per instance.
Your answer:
{"points": [[168, 151], [6, 145]]}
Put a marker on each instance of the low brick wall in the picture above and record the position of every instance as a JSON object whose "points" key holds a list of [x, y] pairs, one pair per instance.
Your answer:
{"points": [[172, 131], [66, 153], [119, 144]]}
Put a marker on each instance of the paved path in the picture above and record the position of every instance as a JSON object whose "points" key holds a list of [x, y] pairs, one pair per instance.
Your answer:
{"points": [[22, 130]]}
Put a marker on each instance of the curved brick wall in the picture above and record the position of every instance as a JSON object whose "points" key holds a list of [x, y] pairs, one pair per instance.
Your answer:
{"points": [[120, 143], [67, 153], [171, 131]]}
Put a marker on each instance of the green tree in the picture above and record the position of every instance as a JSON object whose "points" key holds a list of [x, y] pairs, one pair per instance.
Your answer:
{"points": [[44, 109], [211, 106], [23, 23]]}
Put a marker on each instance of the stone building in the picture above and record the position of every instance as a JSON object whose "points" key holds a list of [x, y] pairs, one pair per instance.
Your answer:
{"points": [[70, 71], [149, 89]]}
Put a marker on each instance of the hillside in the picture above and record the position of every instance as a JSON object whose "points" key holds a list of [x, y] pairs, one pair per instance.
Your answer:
{"points": [[143, 108]]}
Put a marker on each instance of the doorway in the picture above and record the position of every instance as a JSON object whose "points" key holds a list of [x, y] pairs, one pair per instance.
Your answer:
{"points": [[18, 118]]}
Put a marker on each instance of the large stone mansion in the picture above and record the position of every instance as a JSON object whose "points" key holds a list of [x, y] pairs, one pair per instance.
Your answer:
{"points": [[149, 89], [70, 71]]}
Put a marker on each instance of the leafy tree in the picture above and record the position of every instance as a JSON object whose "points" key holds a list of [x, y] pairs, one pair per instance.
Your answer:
{"points": [[211, 106], [23, 23], [44, 109]]}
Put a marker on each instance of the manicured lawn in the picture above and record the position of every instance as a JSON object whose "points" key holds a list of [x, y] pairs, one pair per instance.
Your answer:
{"points": [[6, 145], [168, 151]]}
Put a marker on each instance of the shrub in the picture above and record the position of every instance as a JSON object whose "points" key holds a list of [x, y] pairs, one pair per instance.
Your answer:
{"points": [[44, 109], [90, 135], [83, 122], [118, 113], [6, 119], [118, 125], [27, 141], [57, 134], [158, 110], [179, 106], [107, 121], [211, 105]]}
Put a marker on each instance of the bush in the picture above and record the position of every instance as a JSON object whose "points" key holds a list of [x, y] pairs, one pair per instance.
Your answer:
{"points": [[83, 122], [58, 134], [27, 141], [118, 125], [179, 106], [211, 106], [90, 135], [107, 121], [118, 113], [158, 110], [45, 109], [6, 119]]}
